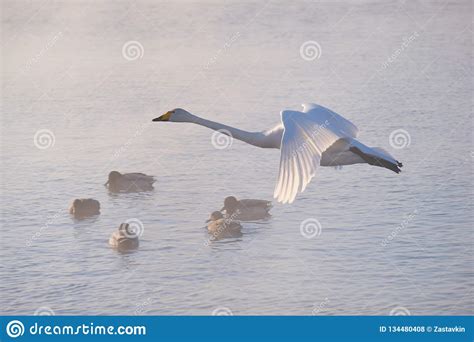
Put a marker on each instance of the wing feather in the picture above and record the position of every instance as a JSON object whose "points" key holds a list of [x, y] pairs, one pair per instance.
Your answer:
{"points": [[337, 120], [306, 136]]}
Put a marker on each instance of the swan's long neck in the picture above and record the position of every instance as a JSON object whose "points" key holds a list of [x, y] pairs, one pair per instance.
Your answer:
{"points": [[252, 138]]}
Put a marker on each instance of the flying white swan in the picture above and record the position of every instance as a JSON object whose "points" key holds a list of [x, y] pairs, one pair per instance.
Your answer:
{"points": [[317, 136]]}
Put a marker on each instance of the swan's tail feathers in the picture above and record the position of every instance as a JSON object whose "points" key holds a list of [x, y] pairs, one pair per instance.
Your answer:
{"points": [[378, 158]]}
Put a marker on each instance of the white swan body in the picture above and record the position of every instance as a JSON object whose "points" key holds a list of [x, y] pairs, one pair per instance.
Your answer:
{"points": [[317, 136]]}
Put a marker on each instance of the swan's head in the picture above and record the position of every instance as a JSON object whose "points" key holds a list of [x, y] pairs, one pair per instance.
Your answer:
{"points": [[230, 204], [176, 115]]}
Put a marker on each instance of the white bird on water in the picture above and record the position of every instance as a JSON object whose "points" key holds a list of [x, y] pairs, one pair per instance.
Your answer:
{"points": [[317, 136]]}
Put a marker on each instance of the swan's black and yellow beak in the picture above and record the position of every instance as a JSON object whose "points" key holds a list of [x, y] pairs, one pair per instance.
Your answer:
{"points": [[164, 117]]}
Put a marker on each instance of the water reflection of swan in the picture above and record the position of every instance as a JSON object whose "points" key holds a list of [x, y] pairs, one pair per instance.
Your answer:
{"points": [[129, 182], [246, 209], [223, 228], [314, 137]]}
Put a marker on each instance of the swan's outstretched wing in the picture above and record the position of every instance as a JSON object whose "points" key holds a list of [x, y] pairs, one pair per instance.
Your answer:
{"points": [[336, 121], [306, 136]]}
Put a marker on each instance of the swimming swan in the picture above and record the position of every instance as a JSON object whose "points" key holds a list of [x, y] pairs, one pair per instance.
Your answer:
{"points": [[246, 209], [129, 182], [317, 136]]}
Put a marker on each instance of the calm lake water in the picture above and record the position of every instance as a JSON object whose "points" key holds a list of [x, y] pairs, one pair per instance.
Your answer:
{"points": [[388, 243]]}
